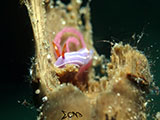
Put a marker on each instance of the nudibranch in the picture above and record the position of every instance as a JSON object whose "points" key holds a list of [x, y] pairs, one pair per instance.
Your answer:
{"points": [[81, 57]]}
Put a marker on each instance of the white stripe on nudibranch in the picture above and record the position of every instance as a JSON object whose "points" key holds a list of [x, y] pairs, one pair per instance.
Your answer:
{"points": [[76, 62]]}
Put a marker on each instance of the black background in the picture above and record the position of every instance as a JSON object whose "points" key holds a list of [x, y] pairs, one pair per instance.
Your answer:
{"points": [[110, 18]]}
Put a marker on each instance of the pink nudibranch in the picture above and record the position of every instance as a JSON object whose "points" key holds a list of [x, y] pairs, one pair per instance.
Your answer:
{"points": [[79, 58]]}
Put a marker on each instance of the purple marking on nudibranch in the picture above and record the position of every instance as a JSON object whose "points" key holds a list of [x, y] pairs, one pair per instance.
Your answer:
{"points": [[79, 58]]}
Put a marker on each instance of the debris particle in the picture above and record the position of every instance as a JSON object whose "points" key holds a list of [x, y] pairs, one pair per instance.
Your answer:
{"points": [[45, 98], [79, 1], [37, 91], [69, 8], [48, 56], [30, 72], [118, 94], [25, 103], [53, 33], [63, 22], [158, 115], [129, 109]]}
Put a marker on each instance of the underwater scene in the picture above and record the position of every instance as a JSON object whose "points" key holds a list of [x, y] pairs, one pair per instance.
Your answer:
{"points": [[81, 60]]}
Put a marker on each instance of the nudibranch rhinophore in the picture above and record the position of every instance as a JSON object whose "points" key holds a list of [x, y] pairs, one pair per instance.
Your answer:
{"points": [[81, 57]]}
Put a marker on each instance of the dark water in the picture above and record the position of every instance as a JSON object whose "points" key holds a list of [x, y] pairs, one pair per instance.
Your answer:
{"points": [[112, 20]]}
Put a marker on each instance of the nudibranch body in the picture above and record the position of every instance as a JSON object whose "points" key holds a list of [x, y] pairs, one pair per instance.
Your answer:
{"points": [[80, 57]]}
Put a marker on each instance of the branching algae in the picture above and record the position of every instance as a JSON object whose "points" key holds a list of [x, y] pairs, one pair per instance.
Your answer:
{"points": [[64, 68]]}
